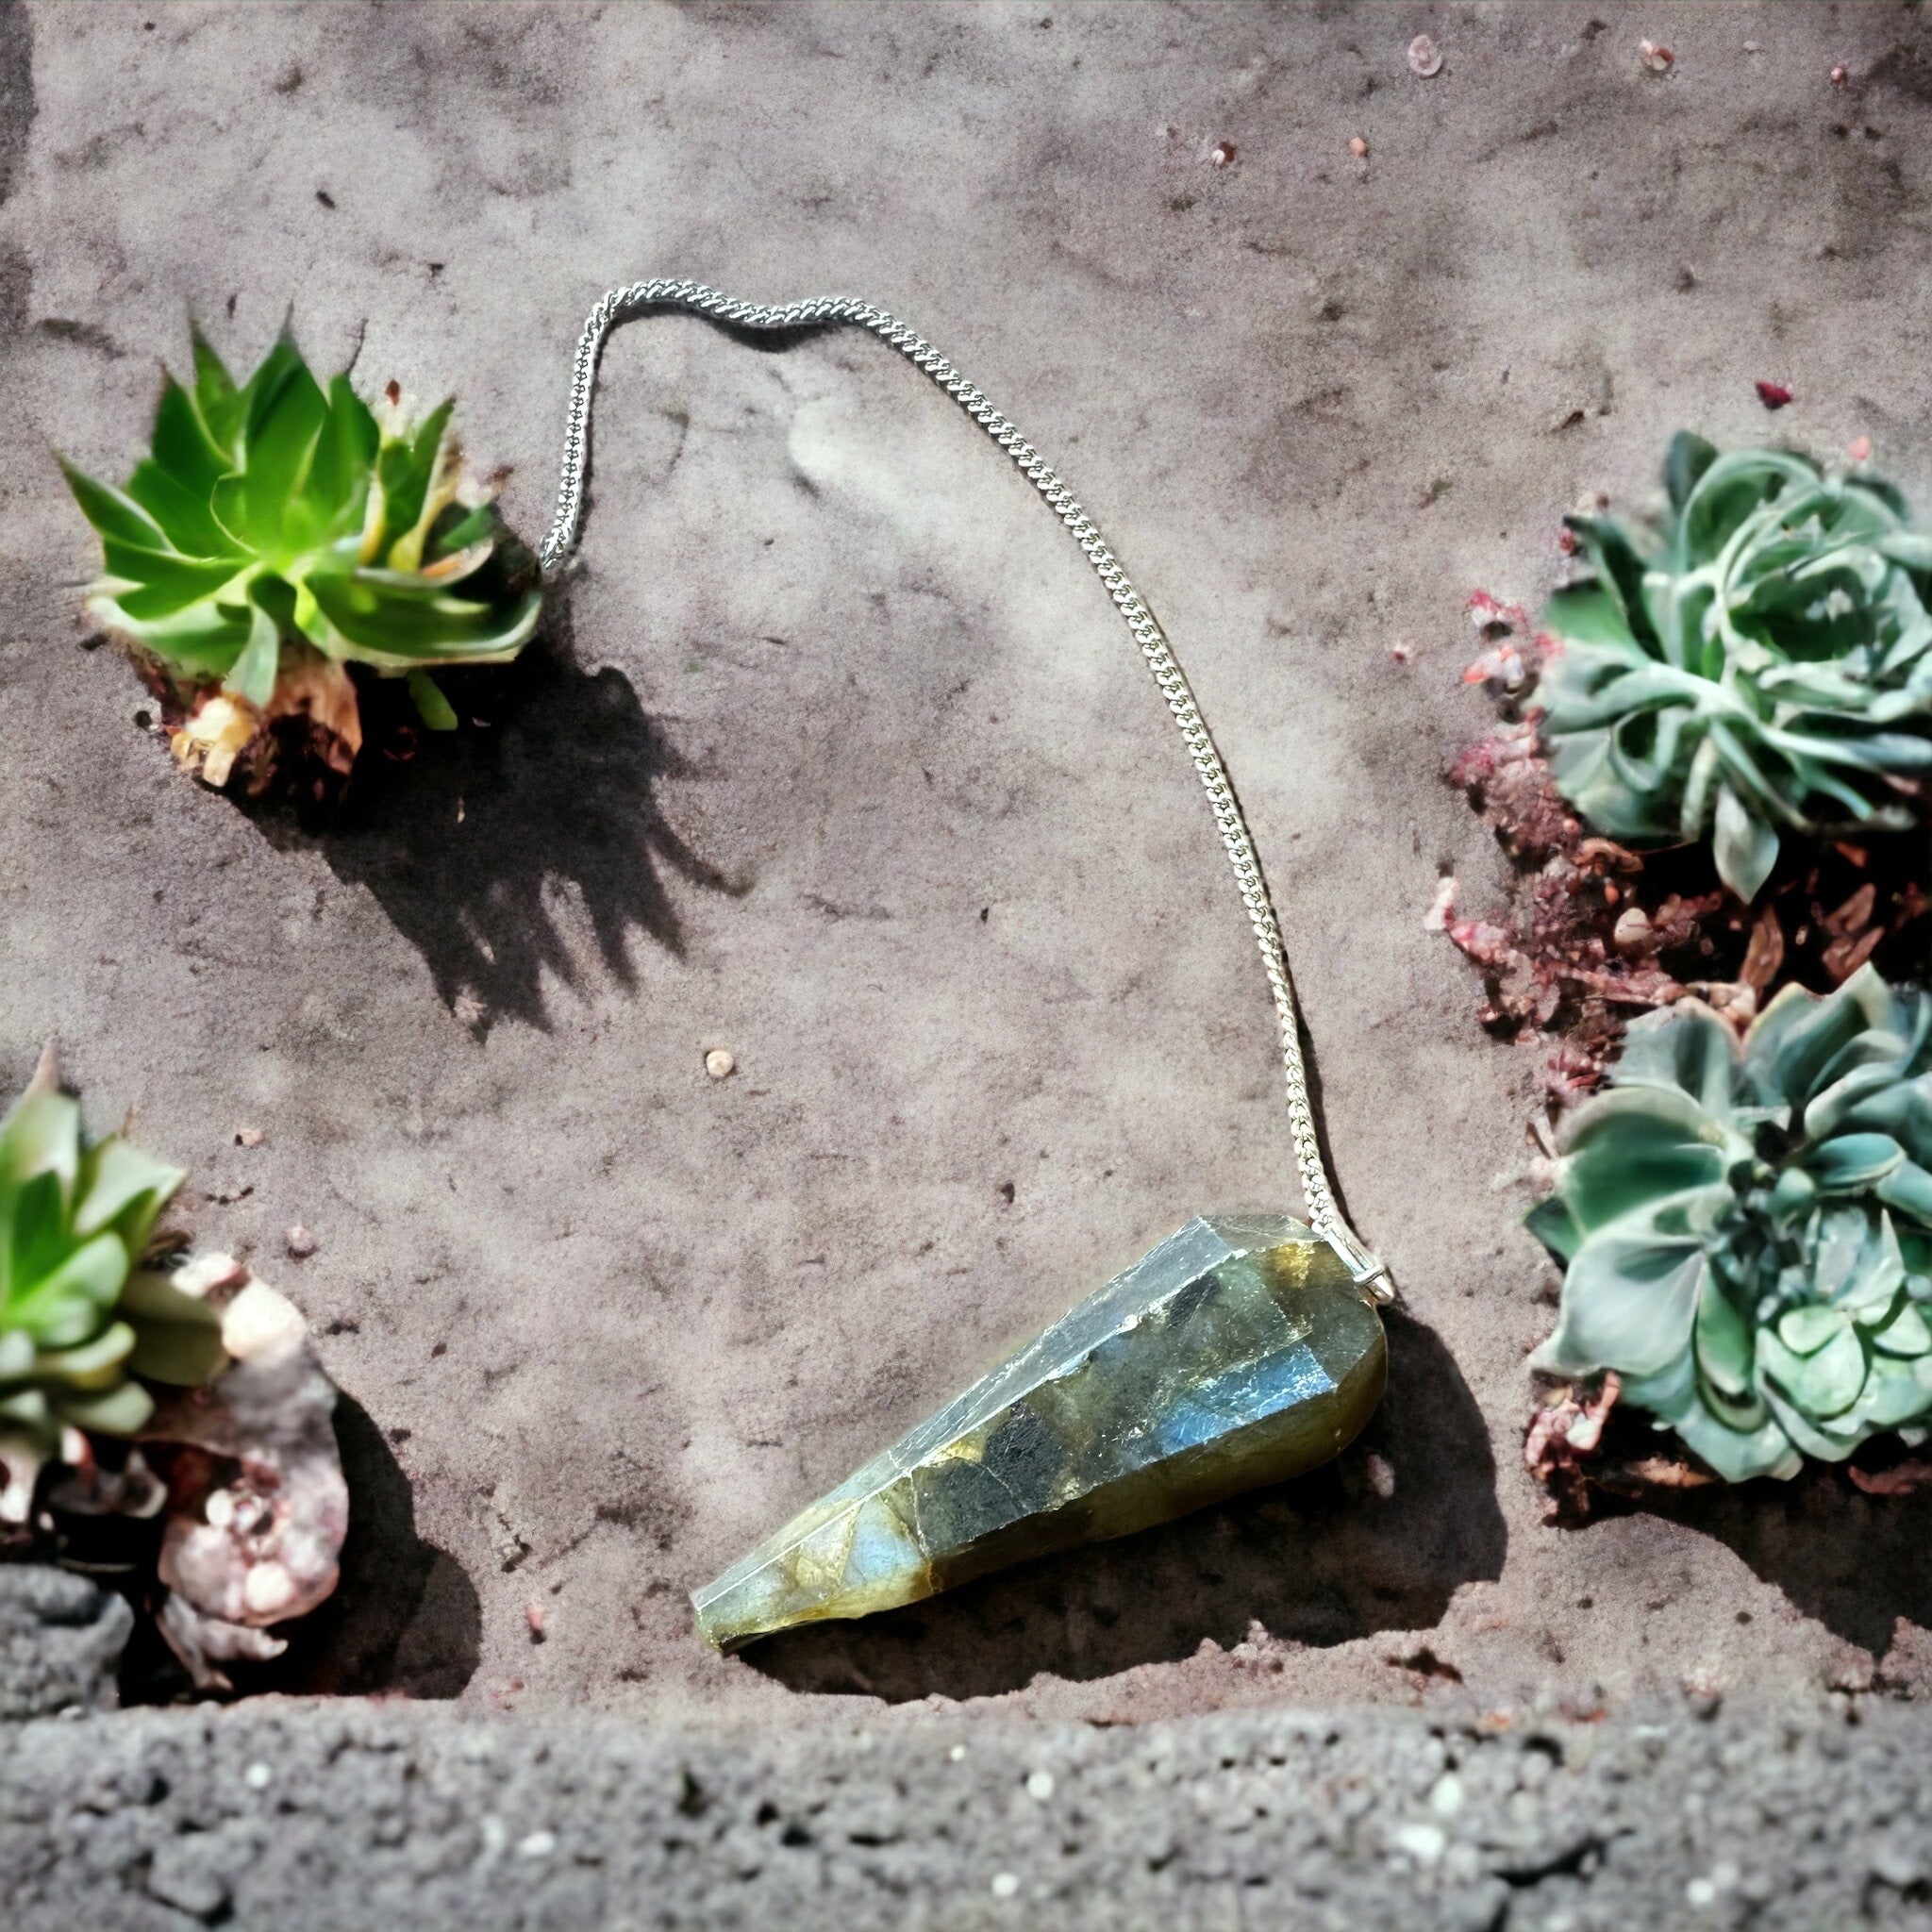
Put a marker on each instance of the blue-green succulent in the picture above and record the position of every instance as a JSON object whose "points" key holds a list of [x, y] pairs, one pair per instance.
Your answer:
{"points": [[1746, 1229], [1756, 664], [80, 1321]]}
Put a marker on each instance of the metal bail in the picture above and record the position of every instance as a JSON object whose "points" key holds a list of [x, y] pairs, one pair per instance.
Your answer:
{"points": [[1368, 1274]]}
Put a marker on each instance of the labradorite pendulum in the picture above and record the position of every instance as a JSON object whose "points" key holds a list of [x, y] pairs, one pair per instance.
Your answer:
{"points": [[1244, 1350], [1239, 1352]]}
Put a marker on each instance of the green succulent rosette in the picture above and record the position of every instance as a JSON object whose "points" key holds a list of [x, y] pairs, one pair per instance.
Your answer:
{"points": [[1756, 664], [278, 531], [1746, 1232], [79, 1320]]}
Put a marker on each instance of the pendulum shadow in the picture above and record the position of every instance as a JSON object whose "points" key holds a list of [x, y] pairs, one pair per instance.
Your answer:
{"points": [[1319, 1561], [468, 840]]}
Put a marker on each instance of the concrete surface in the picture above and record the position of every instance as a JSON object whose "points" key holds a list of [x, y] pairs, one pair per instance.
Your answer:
{"points": [[306, 1819], [838, 758], [61, 1640]]}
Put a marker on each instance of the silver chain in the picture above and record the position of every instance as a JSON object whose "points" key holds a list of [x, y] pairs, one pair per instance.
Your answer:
{"points": [[620, 304]]}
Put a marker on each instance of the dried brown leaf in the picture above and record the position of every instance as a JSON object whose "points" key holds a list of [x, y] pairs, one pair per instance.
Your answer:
{"points": [[1901, 1479], [1766, 952]]}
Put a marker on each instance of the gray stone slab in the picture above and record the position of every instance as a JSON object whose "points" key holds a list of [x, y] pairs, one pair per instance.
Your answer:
{"points": [[299, 1818], [61, 1641]]}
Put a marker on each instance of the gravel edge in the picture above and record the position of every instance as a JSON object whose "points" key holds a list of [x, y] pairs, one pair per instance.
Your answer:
{"points": [[321, 1815]]}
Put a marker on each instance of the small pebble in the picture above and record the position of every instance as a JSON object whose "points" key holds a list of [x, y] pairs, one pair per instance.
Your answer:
{"points": [[1658, 58], [1424, 56], [257, 1778], [249, 1137], [1424, 1843], [1859, 449], [1631, 932], [300, 1241], [1222, 154], [1893, 1866], [1700, 1893], [267, 1591], [539, 1845], [956, 1753], [1775, 395], [1040, 1785], [1445, 1799], [533, 1616], [1381, 1474], [1840, 74], [719, 1064], [1005, 1885], [1359, 148]]}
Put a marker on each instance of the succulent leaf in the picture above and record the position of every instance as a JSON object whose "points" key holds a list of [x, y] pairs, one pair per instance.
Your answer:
{"points": [[1746, 1230], [1758, 661], [75, 1322], [283, 524]]}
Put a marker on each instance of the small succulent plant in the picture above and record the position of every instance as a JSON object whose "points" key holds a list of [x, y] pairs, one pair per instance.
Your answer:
{"points": [[278, 532], [1747, 1231], [79, 1318], [1758, 663]]}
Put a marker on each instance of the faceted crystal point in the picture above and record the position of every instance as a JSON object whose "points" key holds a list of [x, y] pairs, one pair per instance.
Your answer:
{"points": [[1237, 1352]]}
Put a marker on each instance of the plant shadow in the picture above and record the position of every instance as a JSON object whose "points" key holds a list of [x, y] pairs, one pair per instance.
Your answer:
{"points": [[470, 842], [405, 1618], [1317, 1561], [1853, 1562]]}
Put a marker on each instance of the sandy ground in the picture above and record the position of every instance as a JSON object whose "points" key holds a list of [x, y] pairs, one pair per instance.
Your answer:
{"points": [[838, 758]]}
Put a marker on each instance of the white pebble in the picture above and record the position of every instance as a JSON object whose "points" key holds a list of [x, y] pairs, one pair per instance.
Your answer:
{"points": [[956, 1753], [1700, 1891], [539, 1845], [1040, 1785], [300, 1242], [1424, 56], [267, 1589], [1894, 1866], [1424, 1843], [1445, 1800], [257, 1778], [1381, 1477], [1005, 1885], [719, 1064]]}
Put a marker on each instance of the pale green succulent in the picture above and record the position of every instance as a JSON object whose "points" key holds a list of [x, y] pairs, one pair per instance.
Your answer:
{"points": [[1758, 663], [277, 532], [1747, 1232], [79, 1321]]}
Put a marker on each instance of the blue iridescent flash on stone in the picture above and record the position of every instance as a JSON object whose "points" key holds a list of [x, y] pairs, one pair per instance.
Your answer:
{"points": [[1238, 1352]]}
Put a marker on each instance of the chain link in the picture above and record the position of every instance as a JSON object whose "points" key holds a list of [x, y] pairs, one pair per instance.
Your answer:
{"points": [[621, 304]]}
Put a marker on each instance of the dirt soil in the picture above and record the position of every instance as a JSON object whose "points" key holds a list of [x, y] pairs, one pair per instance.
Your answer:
{"points": [[835, 757]]}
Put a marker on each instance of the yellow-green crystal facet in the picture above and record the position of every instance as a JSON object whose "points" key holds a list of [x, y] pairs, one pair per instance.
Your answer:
{"points": [[1237, 1352]]}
